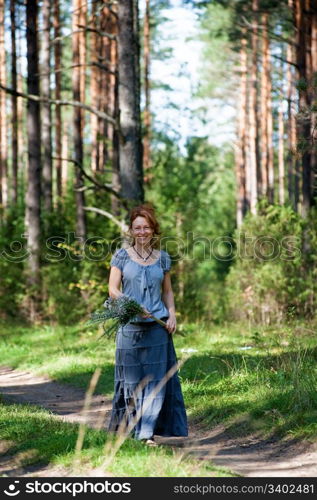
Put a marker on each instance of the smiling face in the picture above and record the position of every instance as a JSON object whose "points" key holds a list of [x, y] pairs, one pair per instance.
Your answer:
{"points": [[142, 231]]}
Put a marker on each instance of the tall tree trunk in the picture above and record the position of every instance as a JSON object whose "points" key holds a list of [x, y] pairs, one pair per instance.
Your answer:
{"points": [[95, 86], [22, 132], [247, 133], [65, 162], [264, 106], [291, 130], [147, 112], [302, 21], [106, 92], [33, 195], [114, 89], [241, 155], [281, 166], [58, 110], [82, 50], [46, 111], [313, 10], [82, 23], [131, 170], [14, 104], [270, 159], [253, 116], [3, 115], [77, 81]]}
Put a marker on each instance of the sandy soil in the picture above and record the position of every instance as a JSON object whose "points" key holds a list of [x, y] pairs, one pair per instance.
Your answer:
{"points": [[248, 457]]}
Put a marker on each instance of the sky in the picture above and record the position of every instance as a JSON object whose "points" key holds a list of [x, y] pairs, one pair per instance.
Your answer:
{"points": [[181, 73]]}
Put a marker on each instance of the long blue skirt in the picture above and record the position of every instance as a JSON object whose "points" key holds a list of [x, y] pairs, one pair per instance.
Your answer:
{"points": [[144, 354]]}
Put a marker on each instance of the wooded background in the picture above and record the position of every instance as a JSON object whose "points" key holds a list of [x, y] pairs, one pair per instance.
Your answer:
{"points": [[80, 145]]}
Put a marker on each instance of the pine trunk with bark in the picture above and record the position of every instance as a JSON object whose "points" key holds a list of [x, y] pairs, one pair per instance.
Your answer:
{"points": [[113, 110], [292, 161], [241, 153], [281, 165], [313, 10], [264, 106], [77, 82], [95, 85], [3, 115], [302, 21], [147, 111], [253, 115], [46, 109], [14, 104], [33, 195], [131, 171], [58, 110], [270, 148]]}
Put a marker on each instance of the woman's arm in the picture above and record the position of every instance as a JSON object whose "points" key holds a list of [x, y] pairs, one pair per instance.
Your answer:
{"points": [[115, 282], [115, 285], [168, 299]]}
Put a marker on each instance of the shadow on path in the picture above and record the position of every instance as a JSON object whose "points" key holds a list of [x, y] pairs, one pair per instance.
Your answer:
{"points": [[248, 456]]}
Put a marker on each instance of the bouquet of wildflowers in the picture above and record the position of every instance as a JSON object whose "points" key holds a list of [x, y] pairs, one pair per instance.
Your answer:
{"points": [[121, 311]]}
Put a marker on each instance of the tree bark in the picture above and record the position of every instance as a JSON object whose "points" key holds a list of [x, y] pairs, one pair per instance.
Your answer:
{"points": [[270, 159], [131, 171], [3, 116], [58, 110], [95, 87], [313, 10], [253, 118], [114, 110], [147, 95], [302, 21], [241, 153], [291, 130], [14, 104], [264, 106], [281, 166], [46, 110], [33, 195], [77, 81], [64, 163]]}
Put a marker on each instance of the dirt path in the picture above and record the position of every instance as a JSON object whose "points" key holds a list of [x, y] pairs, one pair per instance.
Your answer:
{"points": [[251, 457]]}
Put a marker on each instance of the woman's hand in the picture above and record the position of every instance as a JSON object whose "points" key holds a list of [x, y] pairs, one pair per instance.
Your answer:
{"points": [[146, 314], [171, 323]]}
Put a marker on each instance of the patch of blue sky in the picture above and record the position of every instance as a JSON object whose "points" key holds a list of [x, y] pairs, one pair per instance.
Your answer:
{"points": [[176, 109]]}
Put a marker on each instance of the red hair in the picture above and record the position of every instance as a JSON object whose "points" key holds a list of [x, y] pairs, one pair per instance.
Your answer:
{"points": [[148, 212]]}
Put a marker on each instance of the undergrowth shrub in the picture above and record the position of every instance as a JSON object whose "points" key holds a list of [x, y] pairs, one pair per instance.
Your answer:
{"points": [[273, 278]]}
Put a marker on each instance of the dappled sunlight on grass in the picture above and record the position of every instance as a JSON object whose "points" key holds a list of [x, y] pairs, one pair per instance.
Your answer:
{"points": [[35, 435], [270, 372]]}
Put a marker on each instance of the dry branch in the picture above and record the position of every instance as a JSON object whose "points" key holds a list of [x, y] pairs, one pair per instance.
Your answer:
{"points": [[60, 102]]}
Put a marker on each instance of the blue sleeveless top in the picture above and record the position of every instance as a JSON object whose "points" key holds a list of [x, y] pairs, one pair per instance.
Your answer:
{"points": [[143, 282]]}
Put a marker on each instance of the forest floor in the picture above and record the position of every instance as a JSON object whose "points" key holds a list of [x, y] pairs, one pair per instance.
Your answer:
{"points": [[247, 457]]}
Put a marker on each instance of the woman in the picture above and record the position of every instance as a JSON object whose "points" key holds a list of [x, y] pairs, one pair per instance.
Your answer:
{"points": [[144, 349]]}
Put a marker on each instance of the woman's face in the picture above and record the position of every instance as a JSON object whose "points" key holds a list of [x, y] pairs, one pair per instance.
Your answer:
{"points": [[141, 230]]}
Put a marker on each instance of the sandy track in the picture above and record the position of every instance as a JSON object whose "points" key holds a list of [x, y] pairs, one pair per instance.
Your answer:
{"points": [[250, 457]]}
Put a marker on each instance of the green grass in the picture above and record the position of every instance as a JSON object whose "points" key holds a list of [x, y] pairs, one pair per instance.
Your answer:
{"points": [[34, 436], [252, 379], [270, 387]]}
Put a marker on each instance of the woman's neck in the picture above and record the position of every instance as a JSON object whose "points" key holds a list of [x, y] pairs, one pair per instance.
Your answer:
{"points": [[142, 248]]}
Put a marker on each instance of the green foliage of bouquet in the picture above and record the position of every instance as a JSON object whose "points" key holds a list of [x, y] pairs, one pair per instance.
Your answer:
{"points": [[120, 310]]}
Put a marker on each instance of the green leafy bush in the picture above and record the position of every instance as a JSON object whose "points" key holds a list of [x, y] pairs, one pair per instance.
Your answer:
{"points": [[274, 274]]}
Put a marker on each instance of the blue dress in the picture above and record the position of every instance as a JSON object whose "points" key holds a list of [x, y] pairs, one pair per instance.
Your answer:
{"points": [[145, 352]]}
